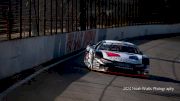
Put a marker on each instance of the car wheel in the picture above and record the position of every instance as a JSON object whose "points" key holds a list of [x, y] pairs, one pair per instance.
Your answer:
{"points": [[145, 73], [86, 59], [141, 72], [97, 66], [138, 72]]}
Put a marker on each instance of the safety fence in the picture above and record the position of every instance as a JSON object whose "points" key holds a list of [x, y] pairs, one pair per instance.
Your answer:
{"points": [[29, 18]]}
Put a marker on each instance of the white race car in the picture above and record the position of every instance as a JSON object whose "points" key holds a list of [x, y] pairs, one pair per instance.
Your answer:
{"points": [[109, 55]]}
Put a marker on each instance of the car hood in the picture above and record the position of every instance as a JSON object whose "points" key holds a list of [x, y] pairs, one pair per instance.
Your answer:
{"points": [[122, 57]]}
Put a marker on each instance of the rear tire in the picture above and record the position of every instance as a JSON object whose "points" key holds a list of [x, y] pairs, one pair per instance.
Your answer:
{"points": [[145, 73]]}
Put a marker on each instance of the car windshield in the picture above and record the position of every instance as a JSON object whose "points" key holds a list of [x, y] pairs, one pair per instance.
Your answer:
{"points": [[119, 48]]}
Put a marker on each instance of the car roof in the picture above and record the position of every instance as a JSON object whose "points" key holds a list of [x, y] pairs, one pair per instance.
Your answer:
{"points": [[119, 42]]}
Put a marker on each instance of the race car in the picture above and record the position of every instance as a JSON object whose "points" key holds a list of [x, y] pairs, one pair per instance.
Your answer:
{"points": [[109, 55]]}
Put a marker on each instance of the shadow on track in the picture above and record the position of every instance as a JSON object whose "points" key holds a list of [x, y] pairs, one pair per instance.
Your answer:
{"points": [[54, 81], [166, 60], [150, 77], [163, 79]]}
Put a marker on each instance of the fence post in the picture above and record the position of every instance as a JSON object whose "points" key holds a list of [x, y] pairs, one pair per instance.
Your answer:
{"points": [[10, 20], [82, 15]]}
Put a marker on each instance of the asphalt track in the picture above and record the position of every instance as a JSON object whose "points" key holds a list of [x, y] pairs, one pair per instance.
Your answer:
{"points": [[72, 81]]}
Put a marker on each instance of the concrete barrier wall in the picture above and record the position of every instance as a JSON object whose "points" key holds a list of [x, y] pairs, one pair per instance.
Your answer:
{"points": [[134, 31], [18, 55]]}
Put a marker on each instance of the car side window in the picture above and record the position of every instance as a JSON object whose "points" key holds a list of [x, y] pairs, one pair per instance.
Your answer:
{"points": [[101, 47], [97, 45], [138, 50]]}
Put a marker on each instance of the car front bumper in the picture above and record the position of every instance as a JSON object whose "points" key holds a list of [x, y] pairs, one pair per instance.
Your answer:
{"points": [[119, 66]]}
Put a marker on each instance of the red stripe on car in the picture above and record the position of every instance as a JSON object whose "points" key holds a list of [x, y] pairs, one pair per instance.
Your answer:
{"points": [[110, 54]]}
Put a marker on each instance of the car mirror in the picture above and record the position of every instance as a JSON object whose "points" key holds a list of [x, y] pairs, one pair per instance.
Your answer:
{"points": [[140, 52], [90, 47], [93, 46]]}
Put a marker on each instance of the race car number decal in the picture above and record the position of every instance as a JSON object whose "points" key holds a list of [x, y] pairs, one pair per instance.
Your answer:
{"points": [[118, 59]]}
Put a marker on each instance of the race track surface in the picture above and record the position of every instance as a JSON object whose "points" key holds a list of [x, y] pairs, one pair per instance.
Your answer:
{"points": [[72, 81]]}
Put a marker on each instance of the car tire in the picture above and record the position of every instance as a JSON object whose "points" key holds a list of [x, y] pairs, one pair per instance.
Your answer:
{"points": [[141, 72], [145, 73], [85, 60]]}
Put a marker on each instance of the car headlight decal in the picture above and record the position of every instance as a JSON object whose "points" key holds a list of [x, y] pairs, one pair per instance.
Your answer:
{"points": [[111, 54], [133, 57]]}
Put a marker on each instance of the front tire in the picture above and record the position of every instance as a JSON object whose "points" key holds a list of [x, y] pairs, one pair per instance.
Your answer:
{"points": [[143, 72], [86, 62]]}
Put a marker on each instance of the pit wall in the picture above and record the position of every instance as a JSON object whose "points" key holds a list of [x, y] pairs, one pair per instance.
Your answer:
{"points": [[19, 55]]}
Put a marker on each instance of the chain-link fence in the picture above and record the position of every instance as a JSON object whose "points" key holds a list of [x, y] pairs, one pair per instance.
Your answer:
{"points": [[29, 18]]}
